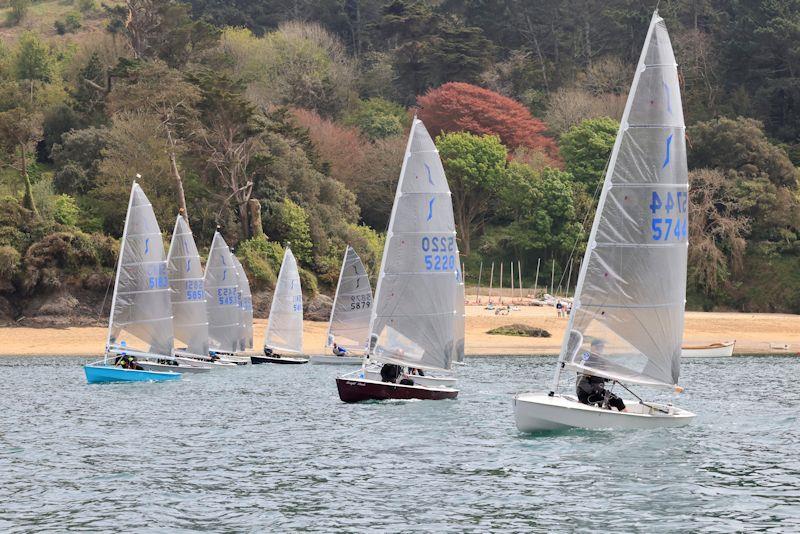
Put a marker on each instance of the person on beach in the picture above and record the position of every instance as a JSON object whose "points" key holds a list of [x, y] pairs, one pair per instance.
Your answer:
{"points": [[559, 308], [591, 389]]}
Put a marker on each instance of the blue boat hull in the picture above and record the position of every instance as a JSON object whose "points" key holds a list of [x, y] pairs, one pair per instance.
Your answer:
{"points": [[98, 374]]}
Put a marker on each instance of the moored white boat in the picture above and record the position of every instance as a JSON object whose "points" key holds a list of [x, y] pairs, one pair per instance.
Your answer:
{"points": [[325, 359], [712, 350], [626, 323]]}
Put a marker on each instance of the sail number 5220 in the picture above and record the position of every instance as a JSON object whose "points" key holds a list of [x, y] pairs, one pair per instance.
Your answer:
{"points": [[440, 260], [668, 221]]}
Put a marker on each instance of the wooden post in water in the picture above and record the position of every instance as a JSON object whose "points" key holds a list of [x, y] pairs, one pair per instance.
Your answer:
{"points": [[519, 275], [491, 283], [478, 290], [500, 293], [536, 280]]}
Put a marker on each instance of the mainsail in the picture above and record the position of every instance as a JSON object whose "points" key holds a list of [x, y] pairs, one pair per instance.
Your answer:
{"points": [[185, 272], [245, 307], [285, 328], [412, 321], [352, 306], [627, 318], [141, 305], [220, 282]]}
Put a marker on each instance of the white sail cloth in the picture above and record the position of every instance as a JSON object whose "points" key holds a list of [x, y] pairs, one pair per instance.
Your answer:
{"points": [[461, 312], [245, 307], [627, 318], [222, 304], [141, 304], [285, 328], [189, 317], [352, 306], [416, 291]]}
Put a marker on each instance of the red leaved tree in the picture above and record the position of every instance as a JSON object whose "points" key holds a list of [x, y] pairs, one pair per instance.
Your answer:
{"points": [[457, 107]]}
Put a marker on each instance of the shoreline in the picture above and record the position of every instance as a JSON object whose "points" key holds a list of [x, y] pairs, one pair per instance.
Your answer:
{"points": [[755, 334]]}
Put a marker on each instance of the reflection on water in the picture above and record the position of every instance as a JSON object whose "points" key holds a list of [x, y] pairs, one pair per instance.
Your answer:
{"points": [[272, 448]]}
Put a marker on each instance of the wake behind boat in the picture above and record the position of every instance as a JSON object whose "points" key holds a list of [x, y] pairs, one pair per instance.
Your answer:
{"points": [[626, 323], [141, 311], [413, 320], [283, 342]]}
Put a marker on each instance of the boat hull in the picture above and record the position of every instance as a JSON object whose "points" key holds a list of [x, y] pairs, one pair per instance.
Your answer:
{"points": [[374, 373], [717, 350], [196, 362], [353, 389], [100, 374], [535, 412], [283, 360], [163, 367], [322, 359]]}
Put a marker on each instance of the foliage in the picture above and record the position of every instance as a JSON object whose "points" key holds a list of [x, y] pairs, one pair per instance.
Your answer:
{"points": [[521, 330], [19, 9], [288, 223], [33, 61], [77, 160], [66, 211], [261, 259], [378, 118], [10, 261], [475, 167], [586, 148], [569, 107], [308, 282], [70, 24], [456, 107]]}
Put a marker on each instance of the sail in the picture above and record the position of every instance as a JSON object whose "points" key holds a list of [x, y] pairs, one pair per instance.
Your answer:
{"points": [[352, 306], [222, 301], [415, 295], [285, 328], [627, 318], [461, 312], [246, 307], [141, 304], [189, 319]]}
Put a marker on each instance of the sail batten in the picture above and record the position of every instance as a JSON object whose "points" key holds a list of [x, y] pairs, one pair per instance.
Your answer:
{"points": [[627, 317], [285, 328], [413, 319]]}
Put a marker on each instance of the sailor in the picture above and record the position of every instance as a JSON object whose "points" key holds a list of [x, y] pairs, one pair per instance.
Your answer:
{"points": [[339, 351], [591, 389], [390, 372]]}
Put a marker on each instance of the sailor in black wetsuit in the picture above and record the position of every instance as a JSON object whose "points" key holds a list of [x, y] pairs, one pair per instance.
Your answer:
{"points": [[591, 389]]}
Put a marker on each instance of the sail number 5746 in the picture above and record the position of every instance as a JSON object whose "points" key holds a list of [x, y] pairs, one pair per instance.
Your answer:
{"points": [[668, 221]]}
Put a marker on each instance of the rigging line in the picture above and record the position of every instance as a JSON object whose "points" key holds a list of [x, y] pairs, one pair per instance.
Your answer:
{"points": [[640, 399], [103, 307]]}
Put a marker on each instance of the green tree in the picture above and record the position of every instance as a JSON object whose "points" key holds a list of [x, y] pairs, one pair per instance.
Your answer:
{"points": [[474, 165], [33, 63], [378, 118], [585, 149], [288, 224], [20, 130]]}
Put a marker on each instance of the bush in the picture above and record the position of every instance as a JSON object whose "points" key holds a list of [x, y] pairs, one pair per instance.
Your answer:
{"points": [[10, 261], [378, 118], [261, 259], [66, 210], [86, 6], [19, 8], [308, 282], [521, 330], [288, 223]]}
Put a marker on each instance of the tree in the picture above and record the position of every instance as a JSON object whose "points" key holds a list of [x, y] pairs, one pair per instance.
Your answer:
{"points": [[288, 223], [586, 148], [77, 159], [164, 93], [378, 118], [456, 107], [569, 107], [33, 62], [474, 165], [19, 9], [20, 130]]}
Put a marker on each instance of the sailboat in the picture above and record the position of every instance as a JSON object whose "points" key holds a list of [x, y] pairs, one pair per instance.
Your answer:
{"points": [[285, 328], [140, 322], [626, 323], [245, 307], [221, 284], [412, 322], [348, 326]]}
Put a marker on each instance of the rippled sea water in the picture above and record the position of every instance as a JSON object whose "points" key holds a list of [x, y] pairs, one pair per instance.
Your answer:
{"points": [[271, 448]]}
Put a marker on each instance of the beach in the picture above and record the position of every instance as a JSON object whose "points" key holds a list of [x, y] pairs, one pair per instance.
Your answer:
{"points": [[754, 334]]}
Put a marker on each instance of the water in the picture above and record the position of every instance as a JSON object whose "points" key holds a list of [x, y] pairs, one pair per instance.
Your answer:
{"points": [[271, 448]]}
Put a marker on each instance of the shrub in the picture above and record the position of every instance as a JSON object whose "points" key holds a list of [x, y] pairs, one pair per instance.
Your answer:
{"points": [[308, 282], [288, 223], [10, 261], [86, 6], [378, 118], [66, 210], [261, 258], [19, 8]]}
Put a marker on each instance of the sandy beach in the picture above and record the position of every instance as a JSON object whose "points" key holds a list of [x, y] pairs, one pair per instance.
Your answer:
{"points": [[754, 334]]}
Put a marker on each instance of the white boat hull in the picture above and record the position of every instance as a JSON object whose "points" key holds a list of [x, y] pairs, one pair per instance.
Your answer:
{"points": [[374, 373], [167, 368], [717, 350], [324, 359], [195, 362], [535, 412]]}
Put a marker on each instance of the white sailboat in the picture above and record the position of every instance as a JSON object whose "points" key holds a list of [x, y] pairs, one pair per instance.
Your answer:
{"points": [[626, 323], [412, 322], [140, 323], [348, 327], [220, 282], [245, 307], [285, 328]]}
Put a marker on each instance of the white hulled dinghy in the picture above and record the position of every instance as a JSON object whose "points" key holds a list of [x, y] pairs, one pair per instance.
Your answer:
{"points": [[723, 349], [221, 284], [348, 328], [141, 311], [283, 342], [412, 323], [626, 323]]}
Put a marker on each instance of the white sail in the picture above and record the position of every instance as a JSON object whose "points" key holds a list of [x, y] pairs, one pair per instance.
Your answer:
{"points": [[245, 306], [461, 312], [352, 305], [631, 289], [222, 301], [285, 327], [141, 305], [415, 294], [189, 318]]}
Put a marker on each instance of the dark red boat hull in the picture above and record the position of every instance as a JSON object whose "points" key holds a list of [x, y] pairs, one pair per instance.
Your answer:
{"points": [[357, 390]]}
